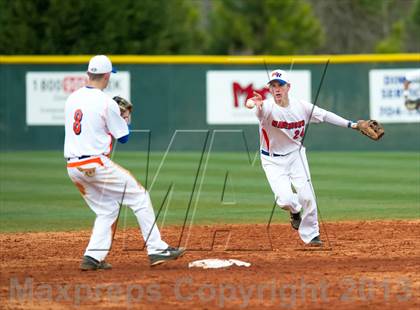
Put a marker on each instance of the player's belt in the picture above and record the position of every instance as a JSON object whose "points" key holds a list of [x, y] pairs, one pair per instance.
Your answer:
{"points": [[87, 160], [81, 157], [274, 154]]}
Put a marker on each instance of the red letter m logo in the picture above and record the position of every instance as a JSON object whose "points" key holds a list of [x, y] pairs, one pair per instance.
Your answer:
{"points": [[248, 91]]}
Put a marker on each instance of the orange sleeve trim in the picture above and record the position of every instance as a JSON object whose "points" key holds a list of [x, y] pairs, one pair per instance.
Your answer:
{"points": [[84, 162]]}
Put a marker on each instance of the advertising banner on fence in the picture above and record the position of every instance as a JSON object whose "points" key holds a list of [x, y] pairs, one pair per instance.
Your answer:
{"points": [[387, 99], [46, 93], [227, 92]]}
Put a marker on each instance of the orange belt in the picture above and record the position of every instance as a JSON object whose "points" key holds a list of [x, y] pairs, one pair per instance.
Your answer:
{"points": [[84, 162]]}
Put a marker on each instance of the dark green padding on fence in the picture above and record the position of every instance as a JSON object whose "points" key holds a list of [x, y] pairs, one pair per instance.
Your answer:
{"points": [[169, 97]]}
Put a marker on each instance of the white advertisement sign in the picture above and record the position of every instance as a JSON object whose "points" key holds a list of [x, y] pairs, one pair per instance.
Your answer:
{"points": [[387, 99], [227, 92], [46, 93]]}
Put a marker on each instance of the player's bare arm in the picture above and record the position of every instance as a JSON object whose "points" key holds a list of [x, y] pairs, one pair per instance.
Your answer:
{"points": [[257, 100]]}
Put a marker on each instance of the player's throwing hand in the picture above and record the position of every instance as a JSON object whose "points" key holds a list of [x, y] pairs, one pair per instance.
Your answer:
{"points": [[257, 100]]}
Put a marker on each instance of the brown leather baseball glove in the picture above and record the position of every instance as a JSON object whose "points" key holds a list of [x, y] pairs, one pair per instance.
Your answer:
{"points": [[371, 128], [126, 107]]}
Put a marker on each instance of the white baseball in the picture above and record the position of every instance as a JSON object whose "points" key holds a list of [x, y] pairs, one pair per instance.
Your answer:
{"points": [[250, 103]]}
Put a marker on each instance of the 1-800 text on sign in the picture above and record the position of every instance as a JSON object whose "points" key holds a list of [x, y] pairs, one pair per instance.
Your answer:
{"points": [[46, 93]]}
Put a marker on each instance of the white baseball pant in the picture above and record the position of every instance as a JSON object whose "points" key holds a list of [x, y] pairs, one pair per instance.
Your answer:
{"points": [[284, 171], [101, 183]]}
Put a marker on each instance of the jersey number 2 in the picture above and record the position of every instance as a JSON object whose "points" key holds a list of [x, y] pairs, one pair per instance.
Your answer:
{"points": [[77, 126], [299, 133]]}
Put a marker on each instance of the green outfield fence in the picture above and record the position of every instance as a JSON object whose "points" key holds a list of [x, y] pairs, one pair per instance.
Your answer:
{"points": [[169, 94]]}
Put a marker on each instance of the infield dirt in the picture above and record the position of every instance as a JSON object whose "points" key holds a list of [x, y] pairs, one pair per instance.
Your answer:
{"points": [[371, 265]]}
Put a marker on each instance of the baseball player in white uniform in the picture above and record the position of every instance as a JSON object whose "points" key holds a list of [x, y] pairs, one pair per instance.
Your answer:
{"points": [[282, 122], [92, 120], [411, 77]]}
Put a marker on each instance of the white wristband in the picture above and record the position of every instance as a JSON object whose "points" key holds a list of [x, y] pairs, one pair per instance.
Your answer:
{"points": [[352, 125]]}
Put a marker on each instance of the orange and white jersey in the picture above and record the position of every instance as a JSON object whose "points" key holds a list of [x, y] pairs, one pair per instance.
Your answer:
{"points": [[92, 118], [282, 128]]}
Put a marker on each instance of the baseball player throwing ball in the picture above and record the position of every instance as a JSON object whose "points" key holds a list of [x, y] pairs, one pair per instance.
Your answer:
{"points": [[282, 122], [92, 120]]}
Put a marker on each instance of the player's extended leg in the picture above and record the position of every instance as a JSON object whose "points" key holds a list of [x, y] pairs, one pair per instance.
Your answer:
{"points": [[146, 219], [309, 228], [138, 199], [278, 175]]}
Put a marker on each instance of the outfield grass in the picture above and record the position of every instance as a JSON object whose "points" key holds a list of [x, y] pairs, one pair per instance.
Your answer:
{"points": [[37, 195]]}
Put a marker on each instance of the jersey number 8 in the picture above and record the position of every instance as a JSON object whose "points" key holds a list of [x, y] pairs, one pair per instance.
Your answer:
{"points": [[77, 126]]}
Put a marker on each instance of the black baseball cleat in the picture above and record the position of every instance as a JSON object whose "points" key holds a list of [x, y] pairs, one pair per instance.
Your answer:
{"points": [[316, 241], [166, 255], [89, 263], [295, 220]]}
